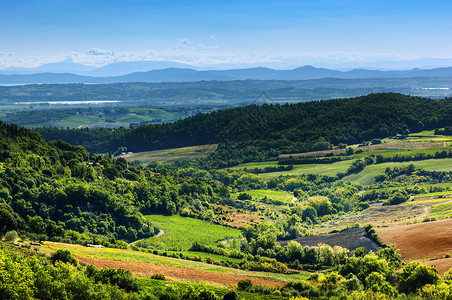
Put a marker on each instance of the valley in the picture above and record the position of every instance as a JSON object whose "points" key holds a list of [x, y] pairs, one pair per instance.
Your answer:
{"points": [[252, 213]]}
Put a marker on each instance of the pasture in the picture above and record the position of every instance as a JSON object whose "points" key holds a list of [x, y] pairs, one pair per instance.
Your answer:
{"points": [[181, 232], [367, 176], [280, 196], [317, 169], [171, 155]]}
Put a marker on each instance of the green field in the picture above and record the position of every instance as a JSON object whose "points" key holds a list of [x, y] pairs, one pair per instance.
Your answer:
{"points": [[281, 196], [171, 155], [392, 152], [317, 169], [75, 116], [442, 209], [181, 232], [422, 133], [367, 176]]}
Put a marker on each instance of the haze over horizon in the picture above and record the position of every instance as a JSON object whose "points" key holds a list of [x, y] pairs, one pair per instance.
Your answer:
{"points": [[233, 34]]}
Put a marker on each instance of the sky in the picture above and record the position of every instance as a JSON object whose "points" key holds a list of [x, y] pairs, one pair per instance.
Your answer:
{"points": [[217, 33]]}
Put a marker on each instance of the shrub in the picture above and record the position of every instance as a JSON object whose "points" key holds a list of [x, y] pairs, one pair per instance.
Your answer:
{"points": [[11, 236], [231, 295], [158, 276], [244, 285], [244, 196], [63, 255], [415, 275]]}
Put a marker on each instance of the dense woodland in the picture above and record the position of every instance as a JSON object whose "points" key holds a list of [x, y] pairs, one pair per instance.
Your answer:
{"points": [[47, 189], [261, 132]]}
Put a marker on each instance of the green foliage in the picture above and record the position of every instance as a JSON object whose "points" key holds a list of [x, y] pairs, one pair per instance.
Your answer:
{"points": [[120, 277], [64, 256], [158, 276], [50, 188], [11, 236], [244, 285], [364, 266], [231, 295], [244, 196], [414, 275]]}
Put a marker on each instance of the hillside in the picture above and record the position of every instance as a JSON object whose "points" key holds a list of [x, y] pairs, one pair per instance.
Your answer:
{"points": [[286, 223], [254, 133], [48, 189]]}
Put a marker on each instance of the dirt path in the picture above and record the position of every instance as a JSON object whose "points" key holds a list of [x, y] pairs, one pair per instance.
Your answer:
{"points": [[161, 232], [175, 273]]}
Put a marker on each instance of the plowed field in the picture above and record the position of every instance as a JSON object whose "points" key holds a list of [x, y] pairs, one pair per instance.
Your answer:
{"points": [[431, 240], [175, 273]]}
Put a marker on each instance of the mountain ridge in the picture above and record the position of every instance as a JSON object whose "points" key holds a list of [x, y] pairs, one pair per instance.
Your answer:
{"points": [[191, 75]]}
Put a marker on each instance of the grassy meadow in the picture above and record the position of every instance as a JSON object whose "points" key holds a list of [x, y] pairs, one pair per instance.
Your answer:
{"points": [[367, 176], [181, 232], [280, 196], [171, 155], [317, 169]]}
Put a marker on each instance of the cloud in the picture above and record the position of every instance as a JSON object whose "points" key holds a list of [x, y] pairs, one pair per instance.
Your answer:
{"points": [[98, 51], [185, 44], [198, 54]]}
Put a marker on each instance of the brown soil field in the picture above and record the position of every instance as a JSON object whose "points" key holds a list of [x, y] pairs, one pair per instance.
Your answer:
{"points": [[350, 239], [175, 273], [442, 265], [388, 146], [237, 219], [431, 240]]}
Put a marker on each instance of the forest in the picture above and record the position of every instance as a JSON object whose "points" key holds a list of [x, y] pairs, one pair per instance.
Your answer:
{"points": [[262, 132]]}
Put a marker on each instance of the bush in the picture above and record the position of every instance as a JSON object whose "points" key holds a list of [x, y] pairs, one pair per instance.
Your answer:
{"points": [[64, 256], [244, 196], [244, 285], [231, 295], [158, 276], [415, 275], [11, 236]]}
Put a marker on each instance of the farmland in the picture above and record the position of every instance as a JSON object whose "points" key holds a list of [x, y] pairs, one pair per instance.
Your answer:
{"points": [[181, 233], [424, 241], [170, 155], [144, 265], [200, 213]]}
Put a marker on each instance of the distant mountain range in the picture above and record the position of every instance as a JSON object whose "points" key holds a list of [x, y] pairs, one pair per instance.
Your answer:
{"points": [[176, 72]]}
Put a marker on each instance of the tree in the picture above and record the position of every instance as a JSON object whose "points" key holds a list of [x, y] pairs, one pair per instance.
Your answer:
{"points": [[414, 275], [377, 283], [63, 255], [309, 213], [11, 236], [244, 285]]}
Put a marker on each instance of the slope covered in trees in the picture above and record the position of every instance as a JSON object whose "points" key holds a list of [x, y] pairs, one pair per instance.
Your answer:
{"points": [[48, 189], [257, 132]]}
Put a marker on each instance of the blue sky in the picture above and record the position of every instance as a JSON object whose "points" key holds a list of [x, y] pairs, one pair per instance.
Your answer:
{"points": [[33, 32]]}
